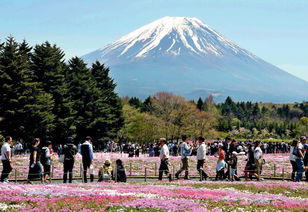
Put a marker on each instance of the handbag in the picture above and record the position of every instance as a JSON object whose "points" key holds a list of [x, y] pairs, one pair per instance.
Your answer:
{"points": [[61, 158]]}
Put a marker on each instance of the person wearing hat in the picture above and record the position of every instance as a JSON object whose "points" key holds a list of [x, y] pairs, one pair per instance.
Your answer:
{"points": [[233, 166], [221, 164], [164, 157], [86, 151], [299, 158], [105, 172], [46, 157], [69, 151]]}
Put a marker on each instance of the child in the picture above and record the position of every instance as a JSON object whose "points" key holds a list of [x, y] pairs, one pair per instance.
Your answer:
{"points": [[233, 166], [121, 176], [105, 172]]}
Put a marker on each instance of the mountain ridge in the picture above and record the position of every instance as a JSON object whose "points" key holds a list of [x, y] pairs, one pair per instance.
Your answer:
{"points": [[150, 58]]}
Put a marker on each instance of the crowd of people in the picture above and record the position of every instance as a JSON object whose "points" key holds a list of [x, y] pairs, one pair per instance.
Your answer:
{"points": [[42, 155]]}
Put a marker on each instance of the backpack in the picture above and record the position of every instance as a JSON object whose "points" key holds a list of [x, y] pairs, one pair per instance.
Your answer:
{"points": [[44, 155], [295, 151]]}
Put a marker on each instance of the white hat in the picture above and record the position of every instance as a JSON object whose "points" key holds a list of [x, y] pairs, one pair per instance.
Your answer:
{"points": [[220, 145], [234, 153]]}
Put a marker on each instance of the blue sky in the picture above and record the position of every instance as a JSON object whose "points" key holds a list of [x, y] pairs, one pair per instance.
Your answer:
{"points": [[275, 30]]}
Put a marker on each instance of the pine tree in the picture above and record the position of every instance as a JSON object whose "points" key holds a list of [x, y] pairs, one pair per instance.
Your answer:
{"points": [[200, 104], [109, 120], [50, 69], [25, 108], [80, 88]]}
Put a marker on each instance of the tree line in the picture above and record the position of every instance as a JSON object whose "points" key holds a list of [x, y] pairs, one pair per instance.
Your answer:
{"points": [[42, 95], [239, 119]]}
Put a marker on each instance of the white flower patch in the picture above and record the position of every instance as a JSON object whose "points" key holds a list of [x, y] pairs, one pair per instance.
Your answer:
{"points": [[5, 207], [116, 193]]}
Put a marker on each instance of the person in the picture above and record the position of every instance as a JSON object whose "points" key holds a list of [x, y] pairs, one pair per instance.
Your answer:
{"points": [[164, 157], [151, 150], [299, 157], [185, 153], [105, 172], [221, 164], [258, 158], [201, 156], [131, 151], [227, 147], [250, 165], [35, 167], [6, 159], [46, 158], [59, 150], [292, 159], [69, 151], [306, 161], [121, 175], [233, 166], [86, 150]]}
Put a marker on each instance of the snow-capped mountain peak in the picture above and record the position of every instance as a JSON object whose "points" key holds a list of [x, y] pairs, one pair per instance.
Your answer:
{"points": [[187, 57], [169, 36]]}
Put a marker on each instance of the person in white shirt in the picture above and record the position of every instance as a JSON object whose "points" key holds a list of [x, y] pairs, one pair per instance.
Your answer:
{"points": [[6, 159], [292, 158], [164, 157], [201, 156], [258, 157]]}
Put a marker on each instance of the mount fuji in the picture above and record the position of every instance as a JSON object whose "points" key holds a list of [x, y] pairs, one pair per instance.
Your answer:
{"points": [[184, 56]]}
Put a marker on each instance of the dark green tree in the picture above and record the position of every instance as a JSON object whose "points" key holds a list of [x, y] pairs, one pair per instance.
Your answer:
{"points": [[50, 69], [200, 104], [26, 110], [108, 118]]}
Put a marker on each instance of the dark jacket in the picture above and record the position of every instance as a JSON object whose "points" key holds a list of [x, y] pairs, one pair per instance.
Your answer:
{"points": [[69, 151]]}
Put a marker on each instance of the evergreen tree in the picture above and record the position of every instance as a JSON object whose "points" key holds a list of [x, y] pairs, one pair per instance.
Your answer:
{"points": [[136, 102], [49, 68], [146, 105], [109, 114], [81, 89], [200, 104], [25, 108]]}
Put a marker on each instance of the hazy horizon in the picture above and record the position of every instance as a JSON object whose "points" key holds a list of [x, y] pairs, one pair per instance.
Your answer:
{"points": [[275, 32]]}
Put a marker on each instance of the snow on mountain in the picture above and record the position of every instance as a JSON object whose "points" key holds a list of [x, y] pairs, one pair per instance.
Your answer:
{"points": [[169, 35], [170, 50]]}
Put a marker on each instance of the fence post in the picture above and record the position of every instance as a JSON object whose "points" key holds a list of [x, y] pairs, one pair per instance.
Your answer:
{"points": [[51, 172], [173, 172], [155, 169], [15, 175], [80, 170], [283, 173], [274, 170], [115, 173], [130, 169], [145, 174]]}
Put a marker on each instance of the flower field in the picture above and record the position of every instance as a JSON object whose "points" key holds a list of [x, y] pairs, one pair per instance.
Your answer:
{"points": [[276, 165], [177, 195], [157, 196]]}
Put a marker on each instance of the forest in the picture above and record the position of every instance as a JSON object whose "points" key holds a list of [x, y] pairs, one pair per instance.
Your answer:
{"points": [[43, 95]]}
